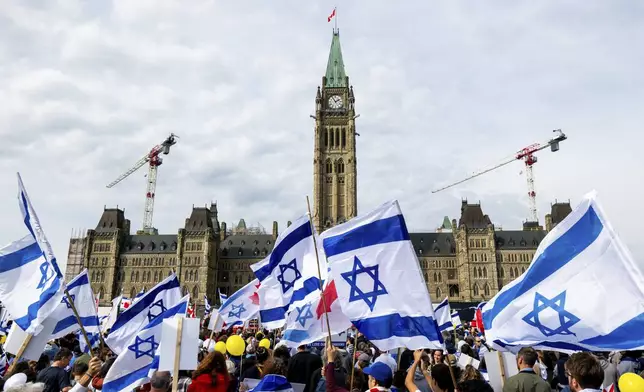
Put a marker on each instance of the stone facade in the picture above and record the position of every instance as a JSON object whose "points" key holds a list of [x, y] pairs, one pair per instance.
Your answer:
{"points": [[468, 260]]}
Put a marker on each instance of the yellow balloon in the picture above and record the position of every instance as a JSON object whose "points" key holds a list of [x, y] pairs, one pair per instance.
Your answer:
{"points": [[221, 347], [631, 382], [265, 343], [235, 345]]}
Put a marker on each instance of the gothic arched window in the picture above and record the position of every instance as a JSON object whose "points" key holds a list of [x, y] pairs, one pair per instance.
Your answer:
{"points": [[326, 138], [435, 277], [440, 277], [439, 294], [337, 137], [329, 166], [195, 293], [486, 290], [196, 277], [485, 272], [340, 166], [331, 141], [476, 275], [133, 293], [476, 289], [344, 137]]}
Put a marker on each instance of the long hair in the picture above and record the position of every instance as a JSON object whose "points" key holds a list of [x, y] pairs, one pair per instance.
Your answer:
{"points": [[213, 364]]}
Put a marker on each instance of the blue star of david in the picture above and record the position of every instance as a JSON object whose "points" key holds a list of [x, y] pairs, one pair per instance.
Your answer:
{"points": [[237, 310], [160, 308], [286, 284], [139, 352], [356, 293], [66, 302], [566, 319], [304, 313], [46, 274]]}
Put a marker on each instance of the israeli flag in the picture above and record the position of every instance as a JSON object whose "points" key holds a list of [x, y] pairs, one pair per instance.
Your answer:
{"points": [[443, 315], [31, 285], [206, 306], [241, 306], [288, 274], [583, 291], [273, 383], [222, 297], [5, 318], [379, 283], [135, 364], [81, 293], [143, 311], [456, 319]]}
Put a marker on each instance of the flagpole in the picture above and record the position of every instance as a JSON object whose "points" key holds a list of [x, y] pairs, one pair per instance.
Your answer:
{"points": [[21, 351], [70, 301], [317, 258], [335, 18], [177, 356]]}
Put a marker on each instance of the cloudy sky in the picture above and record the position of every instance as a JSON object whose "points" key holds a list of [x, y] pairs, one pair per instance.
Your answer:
{"points": [[443, 89]]}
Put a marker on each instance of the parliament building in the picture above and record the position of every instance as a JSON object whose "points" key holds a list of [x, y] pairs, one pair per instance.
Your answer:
{"points": [[467, 259]]}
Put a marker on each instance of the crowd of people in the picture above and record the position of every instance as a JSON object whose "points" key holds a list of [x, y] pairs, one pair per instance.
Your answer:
{"points": [[357, 366]]}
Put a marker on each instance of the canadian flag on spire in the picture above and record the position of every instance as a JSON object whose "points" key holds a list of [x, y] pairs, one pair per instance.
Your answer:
{"points": [[331, 16]]}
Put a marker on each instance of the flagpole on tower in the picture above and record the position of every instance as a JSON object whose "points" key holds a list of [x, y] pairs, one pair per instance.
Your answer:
{"points": [[317, 258], [335, 20]]}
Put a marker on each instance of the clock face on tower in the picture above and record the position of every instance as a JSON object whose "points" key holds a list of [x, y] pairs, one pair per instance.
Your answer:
{"points": [[335, 102]]}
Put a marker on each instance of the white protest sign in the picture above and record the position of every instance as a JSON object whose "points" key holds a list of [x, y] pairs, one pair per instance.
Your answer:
{"points": [[464, 360], [499, 372], [168, 345], [36, 344]]}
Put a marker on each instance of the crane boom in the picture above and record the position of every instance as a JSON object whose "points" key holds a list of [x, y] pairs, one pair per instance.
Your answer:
{"points": [[527, 155], [154, 160]]}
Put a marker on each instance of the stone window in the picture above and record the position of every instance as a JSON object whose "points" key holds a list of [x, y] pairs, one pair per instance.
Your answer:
{"points": [[439, 294], [340, 166], [475, 289], [478, 243], [483, 243], [329, 166], [476, 275], [486, 290]]}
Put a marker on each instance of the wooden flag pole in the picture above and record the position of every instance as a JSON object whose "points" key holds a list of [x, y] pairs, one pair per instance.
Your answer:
{"points": [[317, 258], [353, 362], [501, 367], [451, 371], [21, 351], [70, 302], [177, 356]]}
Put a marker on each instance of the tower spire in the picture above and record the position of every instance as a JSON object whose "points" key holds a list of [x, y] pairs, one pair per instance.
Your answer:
{"points": [[335, 73]]}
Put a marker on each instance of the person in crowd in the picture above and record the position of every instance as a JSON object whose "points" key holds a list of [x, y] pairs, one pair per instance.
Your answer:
{"points": [[336, 378], [23, 367], [470, 373], [281, 352], [211, 374], [302, 365], [184, 381], [418, 372], [467, 350], [55, 377], [78, 370], [560, 380], [527, 380], [474, 386], [255, 371], [439, 377], [380, 377], [610, 370], [160, 382], [629, 363], [584, 372], [438, 356], [388, 360]]}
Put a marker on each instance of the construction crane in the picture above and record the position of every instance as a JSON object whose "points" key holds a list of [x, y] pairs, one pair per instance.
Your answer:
{"points": [[527, 156], [154, 160]]}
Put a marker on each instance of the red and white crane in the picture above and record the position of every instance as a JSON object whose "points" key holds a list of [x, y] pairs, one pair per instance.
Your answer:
{"points": [[154, 160], [527, 156]]}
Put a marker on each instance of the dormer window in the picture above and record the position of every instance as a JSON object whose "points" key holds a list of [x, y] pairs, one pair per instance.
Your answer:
{"points": [[140, 245], [162, 246], [420, 251], [174, 246], [151, 246], [230, 242], [523, 242], [243, 242], [436, 249], [240, 252], [268, 242]]}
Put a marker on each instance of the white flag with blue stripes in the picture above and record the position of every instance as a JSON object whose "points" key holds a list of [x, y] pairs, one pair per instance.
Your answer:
{"points": [[443, 314], [378, 280], [241, 306], [31, 285], [138, 361], [144, 310], [456, 319], [222, 297], [206, 306], [81, 293], [288, 274], [583, 291]]}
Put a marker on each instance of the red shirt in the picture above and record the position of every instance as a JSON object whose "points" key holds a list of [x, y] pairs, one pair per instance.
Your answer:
{"points": [[203, 383]]}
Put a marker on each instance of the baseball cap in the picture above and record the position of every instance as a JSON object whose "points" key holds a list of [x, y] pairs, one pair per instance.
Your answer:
{"points": [[379, 371]]}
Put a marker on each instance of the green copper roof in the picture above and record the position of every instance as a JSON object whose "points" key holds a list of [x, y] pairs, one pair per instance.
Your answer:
{"points": [[335, 75], [446, 224]]}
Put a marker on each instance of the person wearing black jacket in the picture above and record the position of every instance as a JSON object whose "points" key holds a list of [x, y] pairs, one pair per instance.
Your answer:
{"points": [[302, 365]]}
